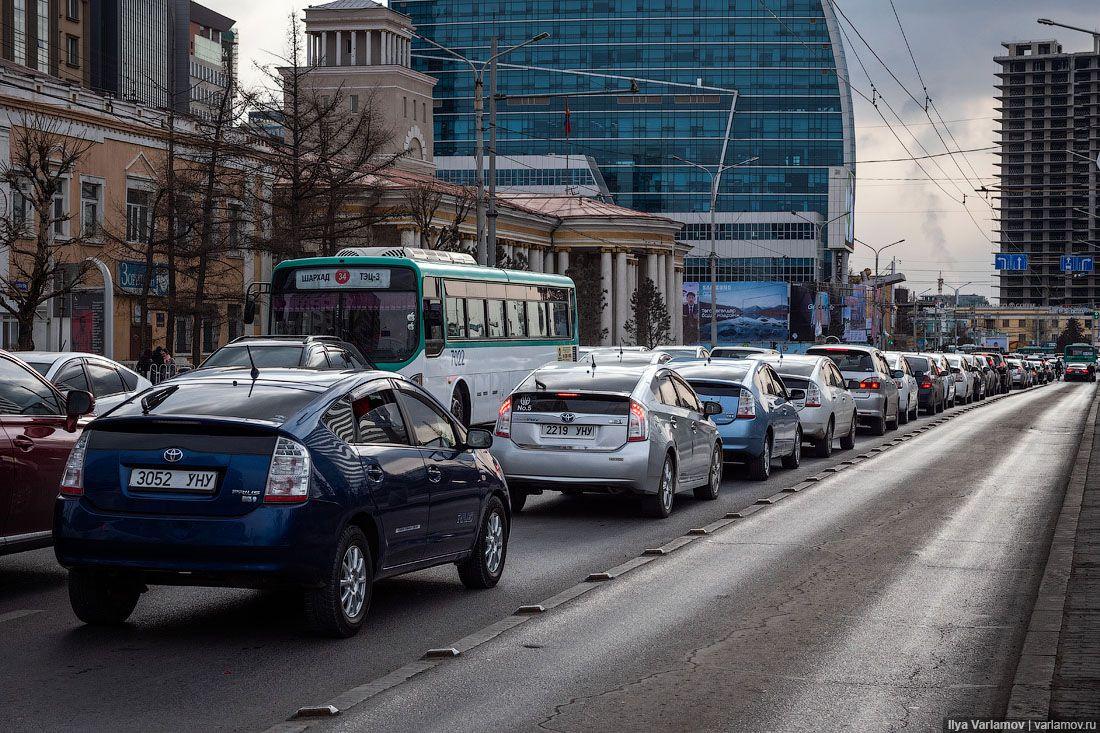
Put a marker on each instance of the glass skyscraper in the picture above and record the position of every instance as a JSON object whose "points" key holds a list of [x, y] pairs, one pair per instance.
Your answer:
{"points": [[794, 113]]}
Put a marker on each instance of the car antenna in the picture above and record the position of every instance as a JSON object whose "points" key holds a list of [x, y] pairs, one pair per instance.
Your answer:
{"points": [[593, 358]]}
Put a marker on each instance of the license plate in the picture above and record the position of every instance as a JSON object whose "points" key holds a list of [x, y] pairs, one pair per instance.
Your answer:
{"points": [[861, 393], [173, 480], [578, 432]]}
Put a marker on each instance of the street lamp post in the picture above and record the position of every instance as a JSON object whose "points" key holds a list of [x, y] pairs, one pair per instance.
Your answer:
{"points": [[715, 180], [955, 313], [479, 132], [877, 251], [819, 228]]}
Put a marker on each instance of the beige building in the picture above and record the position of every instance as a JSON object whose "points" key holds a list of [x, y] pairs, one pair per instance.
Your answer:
{"points": [[1026, 325]]}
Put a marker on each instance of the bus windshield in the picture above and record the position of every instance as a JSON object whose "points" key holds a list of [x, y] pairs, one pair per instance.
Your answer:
{"points": [[1081, 350], [382, 323]]}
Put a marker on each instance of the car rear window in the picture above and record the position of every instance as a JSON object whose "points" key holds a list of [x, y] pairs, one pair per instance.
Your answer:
{"points": [[794, 382], [798, 369], [241, 399], [582, 404], [917, 364], [849, 361], [39, 366], [714, 390], [264, 356], [605, 379]]}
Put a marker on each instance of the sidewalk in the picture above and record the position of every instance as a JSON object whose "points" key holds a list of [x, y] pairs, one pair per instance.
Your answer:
{"points": [[1075, 692]]}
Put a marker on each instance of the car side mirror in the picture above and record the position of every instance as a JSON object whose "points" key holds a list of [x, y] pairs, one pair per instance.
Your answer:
{"points": [[78, 403], [898, 374], [479, 439], [712, 408]]}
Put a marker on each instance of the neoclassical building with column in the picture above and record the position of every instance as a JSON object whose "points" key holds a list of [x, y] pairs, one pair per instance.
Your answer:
{"points": [[363, 48]]}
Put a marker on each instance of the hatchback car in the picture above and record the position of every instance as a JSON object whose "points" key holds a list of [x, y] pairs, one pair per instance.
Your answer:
{"points": [[828, 409], [759, 417], [321, 481], [289, 352], [908, 389], [1018, 373], [109, 381], [963, 376], [624, 429], [38, 427], [870, 381], [738, 352], [997, 359], [930, 388]]}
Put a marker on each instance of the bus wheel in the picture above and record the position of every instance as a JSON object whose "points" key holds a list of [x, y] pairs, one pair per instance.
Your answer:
{"points": [[460, 405]]}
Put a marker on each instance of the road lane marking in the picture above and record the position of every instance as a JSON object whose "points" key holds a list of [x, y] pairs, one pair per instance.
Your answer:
{"points": [[12, 615]]}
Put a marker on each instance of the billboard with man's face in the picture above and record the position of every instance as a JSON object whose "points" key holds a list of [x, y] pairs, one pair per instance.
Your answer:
{"points": [[747, 311]]}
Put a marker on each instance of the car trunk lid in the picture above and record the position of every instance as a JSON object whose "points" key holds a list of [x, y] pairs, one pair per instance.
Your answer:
{"points": [[581, 421], [178, 466]]}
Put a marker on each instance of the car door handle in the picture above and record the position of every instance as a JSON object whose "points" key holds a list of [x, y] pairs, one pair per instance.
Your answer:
{"points": [[23, 443], [375, 474], [434, 474]]}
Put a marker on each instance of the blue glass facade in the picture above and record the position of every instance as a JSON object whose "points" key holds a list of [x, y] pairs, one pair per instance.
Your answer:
{"points": [[793, 113]]}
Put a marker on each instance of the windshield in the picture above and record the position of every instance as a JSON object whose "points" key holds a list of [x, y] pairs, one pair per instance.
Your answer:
{"points": [[382, 323], [239, 399], [265, 357], [917, 364], [1080, 351], [850, 361]]}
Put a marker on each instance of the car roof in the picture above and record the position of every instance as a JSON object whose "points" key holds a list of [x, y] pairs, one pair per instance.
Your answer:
{"points": [[729, 370], [302, 378], [842, 347], [57, 355]]}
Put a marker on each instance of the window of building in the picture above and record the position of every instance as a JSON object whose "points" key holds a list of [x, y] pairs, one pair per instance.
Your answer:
{"points": [[211, 330], [353, 101], [405, 106], [234, 225], [73, 9], [19, 31], [183, 334], [72, 51], [139, 214], [43, 42], [60, 212], [20, 208], [234, 316]]}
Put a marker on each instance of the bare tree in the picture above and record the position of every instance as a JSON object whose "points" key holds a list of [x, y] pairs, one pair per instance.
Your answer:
{"points": [[45, 153], [422, 201], [326, 158]]}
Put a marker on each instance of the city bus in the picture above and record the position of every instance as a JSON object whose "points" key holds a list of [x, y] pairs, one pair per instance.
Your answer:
{"points": [[1081, 353], [468, 334]]}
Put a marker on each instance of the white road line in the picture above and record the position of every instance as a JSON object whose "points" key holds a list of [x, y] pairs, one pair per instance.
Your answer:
{"points": [[12, 615]]}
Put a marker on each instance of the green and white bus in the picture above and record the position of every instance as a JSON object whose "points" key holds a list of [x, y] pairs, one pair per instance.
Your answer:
{"points": [[1086, 353], [468, 334]]}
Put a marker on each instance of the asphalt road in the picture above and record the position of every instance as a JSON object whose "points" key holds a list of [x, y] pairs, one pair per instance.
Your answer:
{"points": [[924, 555]]}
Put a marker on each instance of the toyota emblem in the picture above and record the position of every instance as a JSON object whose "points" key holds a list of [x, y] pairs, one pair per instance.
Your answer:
{"points": [[173, 455], [568, 417]]}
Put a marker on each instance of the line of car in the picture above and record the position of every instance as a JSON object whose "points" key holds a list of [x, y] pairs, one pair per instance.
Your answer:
{"points": [[327, 479]]}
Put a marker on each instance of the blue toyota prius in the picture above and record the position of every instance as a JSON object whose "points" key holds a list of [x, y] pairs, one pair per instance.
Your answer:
{"points": [[326, 481]]}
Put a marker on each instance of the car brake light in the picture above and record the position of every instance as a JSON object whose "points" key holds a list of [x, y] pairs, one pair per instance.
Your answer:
{"points": [[504, 419], [869, 384], [72, 478], [746, 405], [288, 477], [926, 384], [567, 395], [813, 396], [637, 428]]}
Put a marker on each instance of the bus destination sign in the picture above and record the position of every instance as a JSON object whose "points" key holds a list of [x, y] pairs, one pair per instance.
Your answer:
{"points": [[339, 278]]}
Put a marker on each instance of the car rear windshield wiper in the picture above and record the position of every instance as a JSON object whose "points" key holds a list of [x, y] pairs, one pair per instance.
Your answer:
{"points": [[150, 402]]}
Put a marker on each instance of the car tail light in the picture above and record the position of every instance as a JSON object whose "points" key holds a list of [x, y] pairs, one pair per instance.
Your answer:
{"points": [[870, 384], [926, 384], [72, 478], [813, 396], [746, 405], [637, 428], [504, 419], [288, 477]]}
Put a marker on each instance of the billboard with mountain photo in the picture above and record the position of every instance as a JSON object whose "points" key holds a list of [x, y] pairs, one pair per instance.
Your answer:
{"points": [[747, 312]]}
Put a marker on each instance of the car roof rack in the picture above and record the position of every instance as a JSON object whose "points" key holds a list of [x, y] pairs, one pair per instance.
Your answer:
{"points": [[286, 337]]}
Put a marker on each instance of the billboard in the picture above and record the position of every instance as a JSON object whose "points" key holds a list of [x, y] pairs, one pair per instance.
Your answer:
{"points": [[747, 311]]}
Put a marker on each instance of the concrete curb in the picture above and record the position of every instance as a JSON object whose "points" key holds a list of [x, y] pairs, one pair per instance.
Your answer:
{"points": [[1031, 686]]}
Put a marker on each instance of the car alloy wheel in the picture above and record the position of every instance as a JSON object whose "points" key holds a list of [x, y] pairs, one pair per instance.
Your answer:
{"points": [[710, 489], [824, 448], [494, 542], [485, 564], [795, 458], [659, 505], [353, 582], [665, 491]]}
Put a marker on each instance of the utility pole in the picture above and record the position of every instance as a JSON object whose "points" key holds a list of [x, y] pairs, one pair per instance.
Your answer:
{"points": [[491, 246], [877, 336]]}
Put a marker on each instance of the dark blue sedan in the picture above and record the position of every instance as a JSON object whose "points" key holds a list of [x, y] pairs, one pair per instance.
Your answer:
{"points": [[325, 481]]}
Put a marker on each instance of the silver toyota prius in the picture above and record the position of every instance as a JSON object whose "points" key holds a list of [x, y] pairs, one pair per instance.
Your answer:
{"points": [[623, 429]]}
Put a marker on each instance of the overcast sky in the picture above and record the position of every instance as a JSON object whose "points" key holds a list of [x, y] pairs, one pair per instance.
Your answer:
{"points": [[954, 42]]}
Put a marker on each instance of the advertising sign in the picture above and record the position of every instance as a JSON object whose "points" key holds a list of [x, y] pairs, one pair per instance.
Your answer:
{"points": [[747, 311], [131, 278], [338, 278]]}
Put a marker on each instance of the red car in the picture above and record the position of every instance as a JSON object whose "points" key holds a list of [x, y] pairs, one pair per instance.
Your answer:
{"points": [[38, 427]]}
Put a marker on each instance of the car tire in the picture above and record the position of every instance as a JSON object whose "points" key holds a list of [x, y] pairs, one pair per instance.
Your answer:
{"points": [[823, 447], [518, 498], [659, 505], [893, 424], [483, 568], [848, 442], [339, 607], [878, 425], [709, 490], [459, 406], [903, 417], [794, 460], [102, 599], [760, 467]]}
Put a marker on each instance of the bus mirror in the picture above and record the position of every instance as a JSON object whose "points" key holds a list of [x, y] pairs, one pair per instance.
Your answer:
{"points": [[249, 311]]}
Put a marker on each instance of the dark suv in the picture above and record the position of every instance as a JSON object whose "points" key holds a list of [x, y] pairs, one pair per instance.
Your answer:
{"points": [[291, 352], [38, 427]]}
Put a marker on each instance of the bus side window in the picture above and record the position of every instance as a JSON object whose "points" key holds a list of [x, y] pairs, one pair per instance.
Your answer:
{"points": [[433, 318]]}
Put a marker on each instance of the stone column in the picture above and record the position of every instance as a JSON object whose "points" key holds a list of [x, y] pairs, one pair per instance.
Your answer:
{"points": [[548, 260], [354, 48], [368, 46], [622, 296], [339, 48], [409, 238], [606, 284], [563, 261]]}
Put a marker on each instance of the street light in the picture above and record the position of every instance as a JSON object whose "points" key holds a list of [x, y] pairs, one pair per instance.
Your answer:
{"points": [[819, 228], [877, 250], [955, 312], [479, 137], [715, 180]]}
